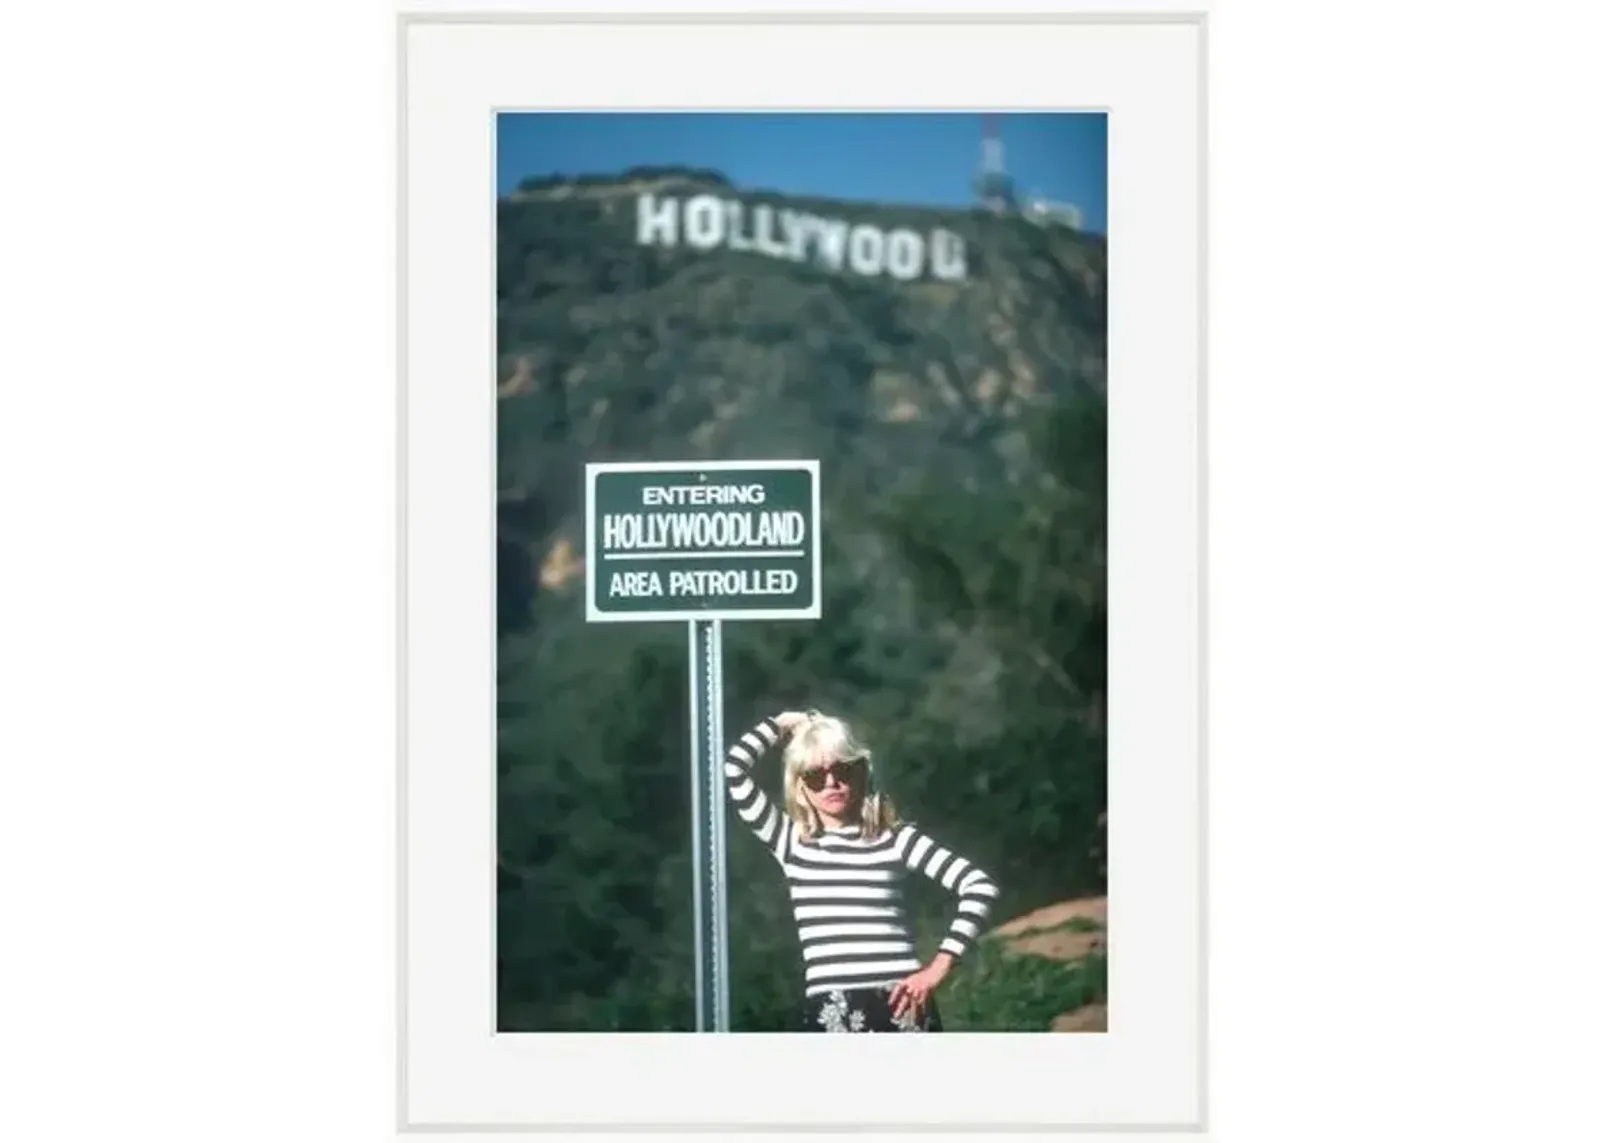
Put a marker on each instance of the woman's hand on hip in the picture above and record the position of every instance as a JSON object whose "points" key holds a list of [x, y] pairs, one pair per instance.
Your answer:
{"points": [[911, 994]]}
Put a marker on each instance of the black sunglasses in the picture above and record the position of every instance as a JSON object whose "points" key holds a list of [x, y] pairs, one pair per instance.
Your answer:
{"points": [[847, 774]]}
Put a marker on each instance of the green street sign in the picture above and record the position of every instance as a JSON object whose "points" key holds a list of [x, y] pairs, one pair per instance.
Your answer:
{"points": [[701, 541]]}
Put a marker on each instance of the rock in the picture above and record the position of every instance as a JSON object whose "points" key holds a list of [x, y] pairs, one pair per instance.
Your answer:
{"points": [[1089, 1018], [1054, 916]]}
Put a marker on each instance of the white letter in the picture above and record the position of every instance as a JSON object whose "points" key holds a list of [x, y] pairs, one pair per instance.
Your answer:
{"points": [[905, 254], [949, 256], [703, 219], [653, 218], [765, 242], [830, 240], [735, 212], [866, 250], [794, 233]]}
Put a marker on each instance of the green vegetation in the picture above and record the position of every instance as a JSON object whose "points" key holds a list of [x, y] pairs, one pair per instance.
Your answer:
{"points": [[996, 990], [961, 430]]}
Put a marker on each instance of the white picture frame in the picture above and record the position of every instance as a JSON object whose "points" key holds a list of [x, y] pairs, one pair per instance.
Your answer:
{"points": [[456, 67]]}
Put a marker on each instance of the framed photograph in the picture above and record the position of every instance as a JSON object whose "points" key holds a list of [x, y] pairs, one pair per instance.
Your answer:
{"points": [[802, 479]]}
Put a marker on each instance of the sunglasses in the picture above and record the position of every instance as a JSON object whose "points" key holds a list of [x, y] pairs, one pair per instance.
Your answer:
{"points": [[845, 773]]}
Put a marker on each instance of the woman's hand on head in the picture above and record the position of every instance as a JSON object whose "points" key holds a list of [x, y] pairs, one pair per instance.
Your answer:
{"points": [[789, 719]]}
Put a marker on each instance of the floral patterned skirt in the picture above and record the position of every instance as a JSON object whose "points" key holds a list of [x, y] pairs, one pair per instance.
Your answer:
{"points": [[864, 1010]]}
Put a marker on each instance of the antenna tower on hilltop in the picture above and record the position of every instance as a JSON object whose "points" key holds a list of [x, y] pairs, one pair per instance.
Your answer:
{"points": [[994, 187]]}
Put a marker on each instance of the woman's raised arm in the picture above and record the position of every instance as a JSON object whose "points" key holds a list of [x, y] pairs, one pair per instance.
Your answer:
{"points": [[766, 820]]}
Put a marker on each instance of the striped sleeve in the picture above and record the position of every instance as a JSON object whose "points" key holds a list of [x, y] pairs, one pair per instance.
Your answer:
{"points": [[975, 890], [766, 820]]}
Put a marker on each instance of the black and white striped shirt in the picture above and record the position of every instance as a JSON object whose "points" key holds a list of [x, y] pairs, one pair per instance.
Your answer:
{"points": [[848, 893]]}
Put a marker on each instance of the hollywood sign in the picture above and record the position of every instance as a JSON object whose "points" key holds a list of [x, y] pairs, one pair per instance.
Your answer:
{"points": [[709, 222]]}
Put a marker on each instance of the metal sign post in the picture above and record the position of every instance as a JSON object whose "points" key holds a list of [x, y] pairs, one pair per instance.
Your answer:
{"points": [[710, 830], [681, 541]]}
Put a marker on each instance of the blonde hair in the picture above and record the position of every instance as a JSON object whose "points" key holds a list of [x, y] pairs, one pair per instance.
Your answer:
{"points": [[822, 736]]}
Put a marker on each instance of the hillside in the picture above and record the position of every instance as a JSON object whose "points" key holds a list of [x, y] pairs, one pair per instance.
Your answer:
{"points": [[947, 368], [1043, 971]]}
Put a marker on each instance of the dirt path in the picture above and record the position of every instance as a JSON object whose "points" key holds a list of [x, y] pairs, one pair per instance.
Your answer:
{"points": [[1065, 931]]}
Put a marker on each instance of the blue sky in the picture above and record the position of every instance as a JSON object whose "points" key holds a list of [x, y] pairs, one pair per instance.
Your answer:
{"points": [[906, 158]]}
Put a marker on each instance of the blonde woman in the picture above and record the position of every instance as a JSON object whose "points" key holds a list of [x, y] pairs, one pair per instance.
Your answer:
{"points": [[845, 854]]}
